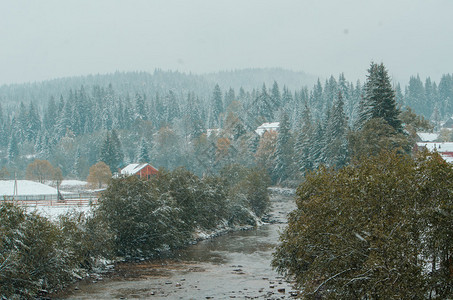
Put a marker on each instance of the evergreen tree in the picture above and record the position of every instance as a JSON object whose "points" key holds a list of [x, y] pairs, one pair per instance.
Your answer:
{"points": [[118, 149], [275, 96], [336, 134], [173, 111], [3, 129], [217, 106], [284, 150], [304, 148], [445, 92], [50, 115], [318, 154], [64, 119], [430, 97], [13, 148], [110, 152], [20, 126], [140, 110], [316, 100], [33, 123], [415, 96], [379, 99], [143, 154], [229, 98], [263, 108]]}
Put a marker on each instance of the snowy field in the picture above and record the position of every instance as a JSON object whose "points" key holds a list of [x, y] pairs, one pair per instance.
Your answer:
{"points": [[52, 212], [25, 188], [40, 195]]}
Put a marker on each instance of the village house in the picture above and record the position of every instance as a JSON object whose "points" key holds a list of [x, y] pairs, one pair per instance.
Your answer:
{"points": [[267, 127], [444, 149], [142, 171], [427, 136]]}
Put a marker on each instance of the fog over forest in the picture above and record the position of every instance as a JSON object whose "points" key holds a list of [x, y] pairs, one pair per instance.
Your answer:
{"points": [[175, 121], [53, 39]]}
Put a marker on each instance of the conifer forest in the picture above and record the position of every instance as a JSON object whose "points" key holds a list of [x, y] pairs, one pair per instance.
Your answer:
{"points": [[165, 118]]}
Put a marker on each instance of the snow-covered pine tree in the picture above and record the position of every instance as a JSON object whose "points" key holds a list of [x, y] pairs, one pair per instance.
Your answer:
{"points": [[143, 154], [303, 148], [317, 154], [117, 149], [336, 135], [140, 111], [229, 98], [216, 107], [13, 148], [173, 110], [64, 118], [50, 115], [330, 91], [415, 95], [430, 95], [276, 96], [284, 150], [445, 94], [316, 101], [379, 99], [33, 123], [110, 152], [263, 108]]}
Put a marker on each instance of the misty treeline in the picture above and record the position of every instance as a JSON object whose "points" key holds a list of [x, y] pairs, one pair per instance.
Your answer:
{"points": [[170, 128], [135, 219]]}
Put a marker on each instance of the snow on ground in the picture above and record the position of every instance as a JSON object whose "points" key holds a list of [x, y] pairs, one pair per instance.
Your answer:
{"points": [[282, 190], [72, 182], [52, 212], [30, 188], [25, 187]]}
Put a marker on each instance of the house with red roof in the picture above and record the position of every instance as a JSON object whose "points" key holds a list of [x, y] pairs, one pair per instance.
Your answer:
{"points": [[142, 171]]}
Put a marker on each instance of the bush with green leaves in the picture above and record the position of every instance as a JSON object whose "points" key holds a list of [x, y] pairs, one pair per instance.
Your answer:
{"points": [[147, 217], [142, 219], [380, 228], [39, 255], [247, 188]]}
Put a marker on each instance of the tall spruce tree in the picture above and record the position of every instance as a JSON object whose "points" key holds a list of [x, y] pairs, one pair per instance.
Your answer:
{"points": [[303, 150], [143, 154], [379, 98], [217, 106], [283, 155], [111, 153], [13, 148], [336, 134]]}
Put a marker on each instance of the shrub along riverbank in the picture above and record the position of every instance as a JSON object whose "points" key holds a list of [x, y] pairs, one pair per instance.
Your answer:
{"points": [[135, 220]]}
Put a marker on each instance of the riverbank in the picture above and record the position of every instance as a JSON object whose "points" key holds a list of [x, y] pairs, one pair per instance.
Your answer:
{"points": [[234, 265]]}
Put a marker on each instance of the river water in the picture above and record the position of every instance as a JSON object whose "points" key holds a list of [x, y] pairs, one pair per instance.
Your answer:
{"points": [[235, 265]]}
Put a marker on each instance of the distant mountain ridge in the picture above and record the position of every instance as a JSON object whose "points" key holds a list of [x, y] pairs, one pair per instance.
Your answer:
{"points": [[157, 82], [253, 78]]}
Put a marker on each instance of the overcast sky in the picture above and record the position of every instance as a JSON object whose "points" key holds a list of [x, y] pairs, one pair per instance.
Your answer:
{"points": [[45, 39]]}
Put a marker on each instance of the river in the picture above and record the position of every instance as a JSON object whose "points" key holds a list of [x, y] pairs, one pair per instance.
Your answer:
{"points": [[235, 265]]}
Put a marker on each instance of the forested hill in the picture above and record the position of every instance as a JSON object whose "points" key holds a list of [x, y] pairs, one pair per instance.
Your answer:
{"points": [[252, 78], [130, 83], [167, 118]]}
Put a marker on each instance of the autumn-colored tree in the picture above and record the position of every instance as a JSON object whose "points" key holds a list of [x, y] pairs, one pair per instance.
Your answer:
{"points": [[265, 154], [222, 147], [4, 173], [99, 175], [376, 229], [57, 176], [377, 135], [40, 170]]}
